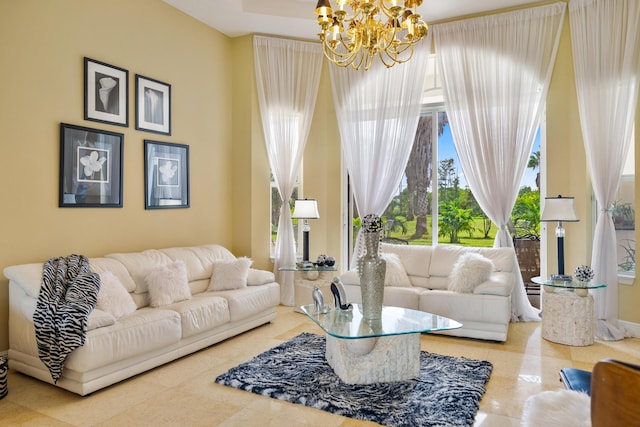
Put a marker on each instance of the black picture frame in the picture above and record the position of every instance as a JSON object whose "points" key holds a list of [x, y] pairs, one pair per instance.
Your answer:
{"points": [[91, 166], [106, 93], [153, 105], [166, 175]]}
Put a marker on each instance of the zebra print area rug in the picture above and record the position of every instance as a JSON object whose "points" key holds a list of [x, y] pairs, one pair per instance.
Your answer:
{"points": [[447, 393]]}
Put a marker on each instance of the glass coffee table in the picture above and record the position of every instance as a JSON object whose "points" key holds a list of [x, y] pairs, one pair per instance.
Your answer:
{"points": [[373, 351]]}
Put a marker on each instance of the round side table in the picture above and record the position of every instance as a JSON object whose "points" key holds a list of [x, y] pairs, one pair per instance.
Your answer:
{"points": [[305, 279], [567, 312]]}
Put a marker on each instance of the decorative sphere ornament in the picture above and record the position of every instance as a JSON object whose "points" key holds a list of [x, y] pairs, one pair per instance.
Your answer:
{"points": [[583, 273], [330, 261]]}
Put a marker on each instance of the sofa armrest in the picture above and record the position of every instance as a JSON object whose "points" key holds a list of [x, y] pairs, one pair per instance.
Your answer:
{"points": [[350, 277], [500, 283], [27, 276]]}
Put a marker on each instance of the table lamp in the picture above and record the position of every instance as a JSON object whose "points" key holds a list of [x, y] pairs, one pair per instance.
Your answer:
{"points": [[305, 209], [559, 209]]}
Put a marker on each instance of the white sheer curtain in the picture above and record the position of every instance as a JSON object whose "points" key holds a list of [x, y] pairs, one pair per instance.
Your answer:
{"points": [[287, 75], [496, 71], [378, 112], [606, 53]]}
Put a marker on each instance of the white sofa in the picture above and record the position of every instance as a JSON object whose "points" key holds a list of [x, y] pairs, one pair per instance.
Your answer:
{"points": [[116, 349], [485, 312]]}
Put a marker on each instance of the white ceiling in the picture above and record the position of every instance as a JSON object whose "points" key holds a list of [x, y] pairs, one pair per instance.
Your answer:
{"points": [[296, 18]]}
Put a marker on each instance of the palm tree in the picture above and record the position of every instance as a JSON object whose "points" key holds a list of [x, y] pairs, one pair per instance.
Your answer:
{"points": [[534, 163], [419, 172]]}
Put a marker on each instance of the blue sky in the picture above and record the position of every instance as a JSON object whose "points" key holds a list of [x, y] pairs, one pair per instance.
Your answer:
{"points": [[446, 150]]}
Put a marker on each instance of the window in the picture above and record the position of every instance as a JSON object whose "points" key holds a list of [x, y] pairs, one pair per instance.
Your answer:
{"points": [[623, 214], [276, 204], [434, 203], [434, 163]]}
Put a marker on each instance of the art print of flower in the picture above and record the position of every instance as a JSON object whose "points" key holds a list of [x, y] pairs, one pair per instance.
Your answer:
{"points": [[92, 163], [168, 171]]}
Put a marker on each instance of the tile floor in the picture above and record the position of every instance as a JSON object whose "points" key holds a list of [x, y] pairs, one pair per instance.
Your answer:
{"points": [[184, 393]]}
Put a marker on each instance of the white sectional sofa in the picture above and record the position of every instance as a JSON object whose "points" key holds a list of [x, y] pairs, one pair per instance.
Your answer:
{"points": [[420, 278], [118, 348]]}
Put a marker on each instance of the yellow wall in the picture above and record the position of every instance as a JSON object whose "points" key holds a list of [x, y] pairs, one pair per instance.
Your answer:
{"points": [[629, 296], [41, 85]]}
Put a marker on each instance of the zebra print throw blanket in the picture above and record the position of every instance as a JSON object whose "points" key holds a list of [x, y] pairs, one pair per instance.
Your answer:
{"points": [[68, 294]]}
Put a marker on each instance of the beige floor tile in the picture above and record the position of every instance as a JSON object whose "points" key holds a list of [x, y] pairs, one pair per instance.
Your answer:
{"points": [[184, 392], [491, 420]]}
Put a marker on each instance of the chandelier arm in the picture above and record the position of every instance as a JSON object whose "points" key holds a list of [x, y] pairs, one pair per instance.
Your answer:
{"points": [[339, 58], [347, 54], [395, 59]]}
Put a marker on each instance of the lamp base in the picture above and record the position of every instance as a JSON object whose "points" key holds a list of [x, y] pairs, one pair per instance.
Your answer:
{"points": [[561, 278]]}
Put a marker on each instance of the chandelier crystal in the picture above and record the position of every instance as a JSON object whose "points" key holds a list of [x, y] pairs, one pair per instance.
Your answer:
{"points": [[372, 28]]}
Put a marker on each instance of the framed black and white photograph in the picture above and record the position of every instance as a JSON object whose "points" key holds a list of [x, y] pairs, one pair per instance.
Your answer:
{"points": [[90, 167], [106, 91], [153, 105], [166, 178]]}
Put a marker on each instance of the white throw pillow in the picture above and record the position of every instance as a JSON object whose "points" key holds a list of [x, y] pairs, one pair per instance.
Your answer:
{"points": [[168, 284], [469, 271], [229, 275], [113, 298], [260, 277], [566, 408], [396, 274]]}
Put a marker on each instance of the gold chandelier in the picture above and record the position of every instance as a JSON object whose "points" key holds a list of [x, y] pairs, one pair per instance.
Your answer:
{"points": [[355, 39]]}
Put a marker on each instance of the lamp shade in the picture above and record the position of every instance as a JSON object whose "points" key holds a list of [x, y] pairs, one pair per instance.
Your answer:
{"points": [[306, 209], [559, 209]]}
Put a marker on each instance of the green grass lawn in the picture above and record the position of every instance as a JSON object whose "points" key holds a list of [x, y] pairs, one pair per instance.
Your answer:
{"points": [[476, 238]]}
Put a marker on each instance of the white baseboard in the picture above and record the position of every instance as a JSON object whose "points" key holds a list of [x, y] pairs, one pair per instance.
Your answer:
{"points": [[633, 329]]}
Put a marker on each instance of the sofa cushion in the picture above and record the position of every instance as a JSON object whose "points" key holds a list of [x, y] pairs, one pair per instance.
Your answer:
{"points": [[259, 277], [415, 258], [499, 283], [246, 302], [402, 297], [168, 284], [146, 330], [395, 274], [113, 298], [229, 275], [350, 277], [199, 259], [98, 265], [467, 307], [201, 313], [444, 258], [504, 259], [469, 271], [138, 265], [99, 319]]}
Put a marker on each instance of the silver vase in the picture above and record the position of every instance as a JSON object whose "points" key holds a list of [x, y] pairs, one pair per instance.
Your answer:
{"points": [[372, 270]]}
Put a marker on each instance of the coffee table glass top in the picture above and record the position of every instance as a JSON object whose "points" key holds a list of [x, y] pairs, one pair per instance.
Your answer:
{"points": [[395, 321], [567, 285], [308, 268]]}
